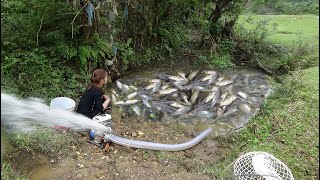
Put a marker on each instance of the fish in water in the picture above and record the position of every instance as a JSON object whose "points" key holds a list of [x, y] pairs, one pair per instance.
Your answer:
{"points": [[154, 80], [128, 102], [137, 110], [210, 72], [151, 86], [123, 87], [231, 111], [182, 110], [132, 95], [168, 91], [212, 79], [207, 77], [244, 108], [224, 82], [205, 114], [184, 97], [176, 78], [194, 96], [214, 92], [156, 87], [228, 100], [192, 75], [182, 74], [242, 95], [176, 105]]}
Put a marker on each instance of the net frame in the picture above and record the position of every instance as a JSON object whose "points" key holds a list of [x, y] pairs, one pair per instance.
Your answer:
{"points": [[243, 168]]}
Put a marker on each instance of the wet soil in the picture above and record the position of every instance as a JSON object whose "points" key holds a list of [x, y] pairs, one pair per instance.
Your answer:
{"points": [[88, 161]]}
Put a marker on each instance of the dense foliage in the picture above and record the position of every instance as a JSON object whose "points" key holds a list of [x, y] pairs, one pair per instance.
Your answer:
{"points": [[49, 48]]}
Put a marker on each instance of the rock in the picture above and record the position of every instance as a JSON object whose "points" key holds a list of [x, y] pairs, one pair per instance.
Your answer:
{"points": [[80, 166], [164, 162], [106, 158], [78, 153], [52, 161], [99, 173], [73, 148], [140, 133], [134, 134], [211, 144]]}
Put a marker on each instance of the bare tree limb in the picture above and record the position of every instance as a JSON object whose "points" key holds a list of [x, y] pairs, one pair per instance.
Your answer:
{"points": [[77, 15], [40, 26]]}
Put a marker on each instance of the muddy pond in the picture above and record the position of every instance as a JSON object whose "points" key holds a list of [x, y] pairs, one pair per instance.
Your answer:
{"points": [[223, 100]]}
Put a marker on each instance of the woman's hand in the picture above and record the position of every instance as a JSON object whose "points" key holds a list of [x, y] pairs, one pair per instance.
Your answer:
{"points": [[105, 97], [106, 101]]}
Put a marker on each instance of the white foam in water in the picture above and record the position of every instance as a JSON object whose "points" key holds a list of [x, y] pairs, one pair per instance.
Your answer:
{"points": [[23, 114]]}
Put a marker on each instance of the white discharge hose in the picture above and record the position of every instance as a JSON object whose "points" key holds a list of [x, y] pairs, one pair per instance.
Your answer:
{"points": [[157, 146]]}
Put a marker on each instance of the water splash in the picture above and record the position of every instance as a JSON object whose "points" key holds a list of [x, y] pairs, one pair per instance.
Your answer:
{"points": [[24, 114]]}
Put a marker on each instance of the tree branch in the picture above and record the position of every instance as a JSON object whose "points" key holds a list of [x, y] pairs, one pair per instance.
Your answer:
{"points": [[40, 26], [76, 16]]}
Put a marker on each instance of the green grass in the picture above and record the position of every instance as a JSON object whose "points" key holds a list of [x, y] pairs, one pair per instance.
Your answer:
{"points": [[290, 28], [287, 127]]}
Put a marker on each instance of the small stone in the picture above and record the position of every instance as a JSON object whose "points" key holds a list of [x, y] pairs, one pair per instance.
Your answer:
{"points": [[80, 166], [78, 153], [134, 134], [211, 144], [99, 173], [85, 154], [73, 148], [52, 161], [140, 133], [164, 162]]}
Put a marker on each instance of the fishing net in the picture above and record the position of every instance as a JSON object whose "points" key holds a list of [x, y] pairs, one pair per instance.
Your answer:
{"points": [[260, 166]]}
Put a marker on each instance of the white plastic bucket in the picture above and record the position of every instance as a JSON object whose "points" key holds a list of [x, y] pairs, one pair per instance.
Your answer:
{"points": [[63, 103]]}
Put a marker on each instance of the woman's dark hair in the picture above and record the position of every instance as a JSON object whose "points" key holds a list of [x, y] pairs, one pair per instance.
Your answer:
{"points": [[97, 75]]}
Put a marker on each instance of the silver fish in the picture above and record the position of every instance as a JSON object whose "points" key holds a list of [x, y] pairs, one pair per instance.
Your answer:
{"points": [[137, 110], [228, 100], [176, 78], [182, 111], [156, 87], [184, 97], [132, 95], [242, 95], [119, 85], [182, 74], [133, 88], [168, 91], [231, 111], [224, 82], [192, 75], [205, 114], [244, 108], [210, 72], [176, 105], [151, 86], [214, 92], [220, 112], [199, 88], [206, 78], [128, 102], [154, 80], [165, 86], [145, 100], [194, 96], [212, 79]]}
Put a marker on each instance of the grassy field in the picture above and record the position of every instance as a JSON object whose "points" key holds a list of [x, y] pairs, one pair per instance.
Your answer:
{"points": [[288, 29], [288, 124]]}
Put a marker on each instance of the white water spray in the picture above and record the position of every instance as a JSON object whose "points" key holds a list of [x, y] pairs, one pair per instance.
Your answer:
{"points": [[23, 114]]}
